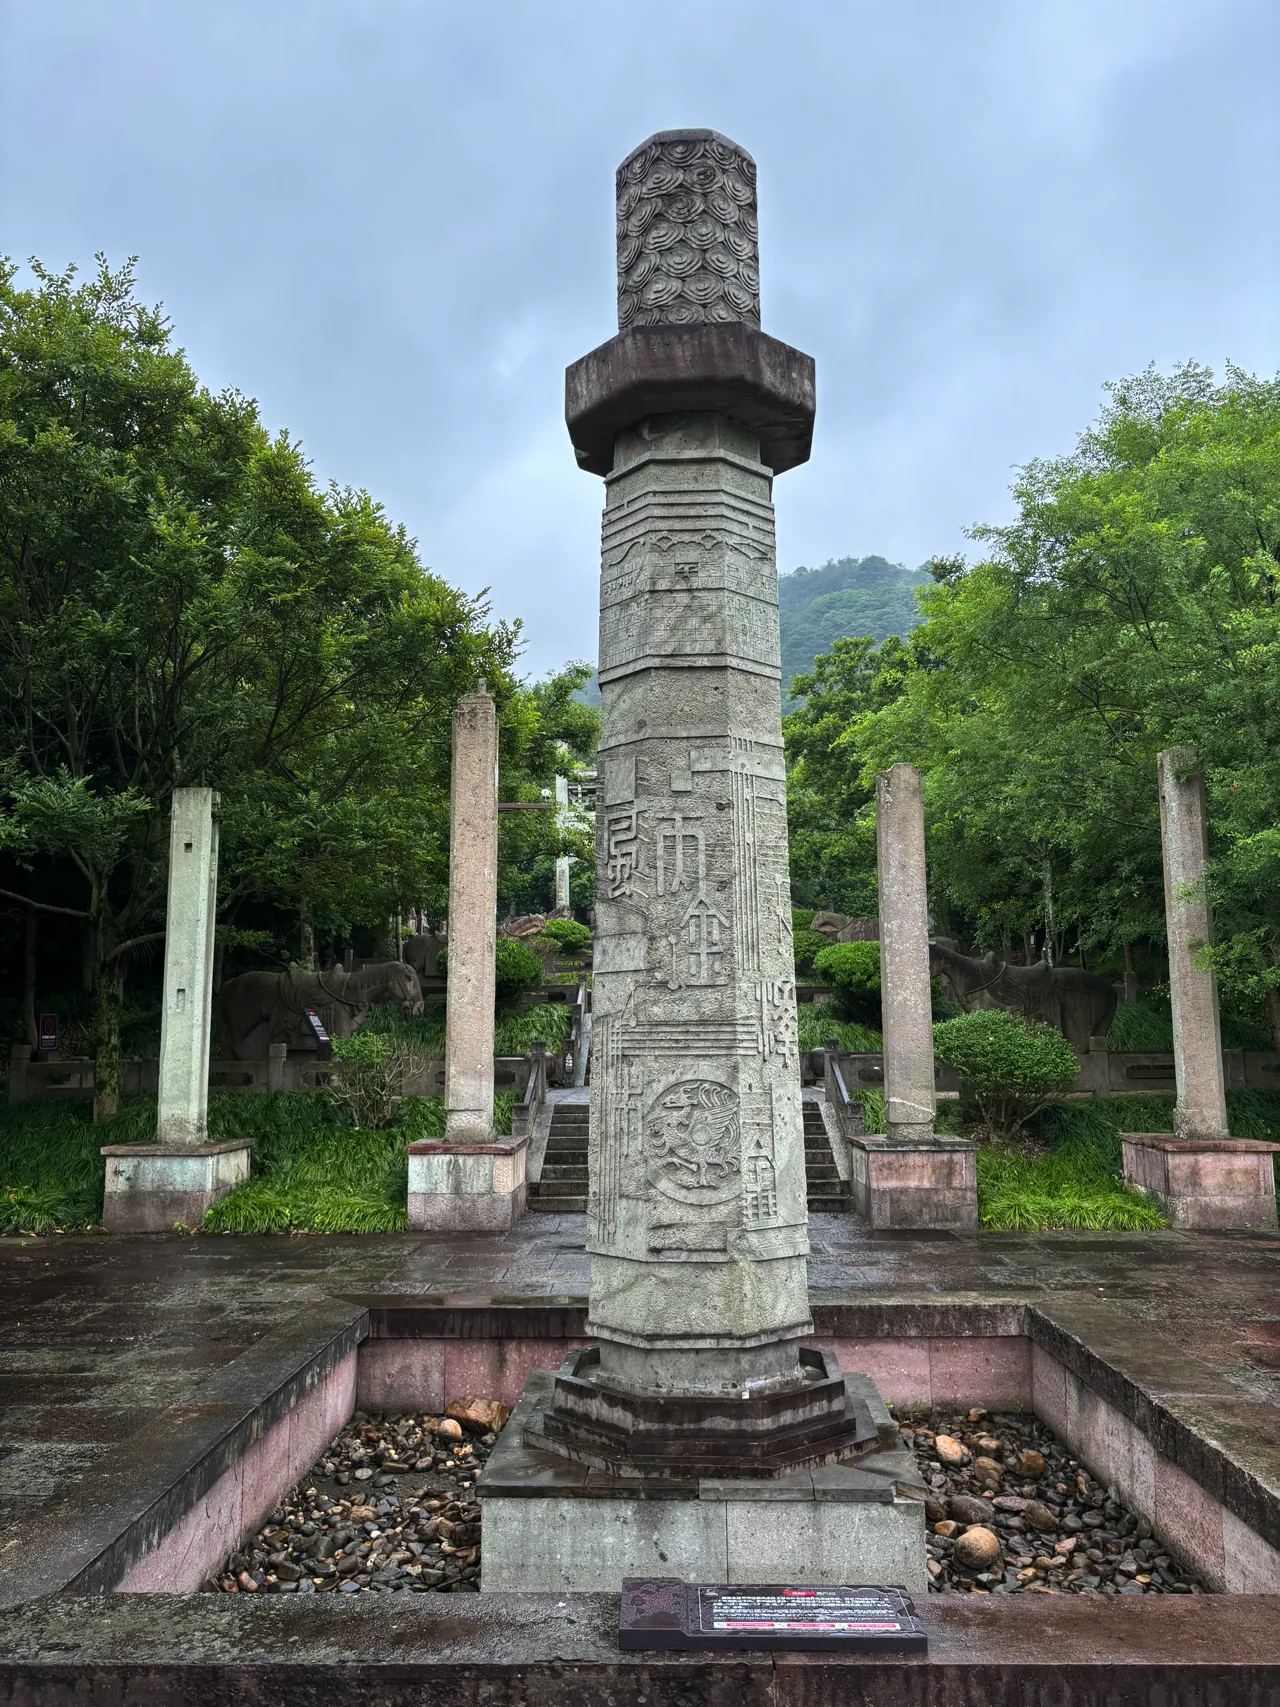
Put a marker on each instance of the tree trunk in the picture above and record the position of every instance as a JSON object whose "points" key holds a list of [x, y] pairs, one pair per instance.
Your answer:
{"points": [[1273, 1011], [29, 977], [1130, 978], [88, 957], [106, 1073], [306, 937]]}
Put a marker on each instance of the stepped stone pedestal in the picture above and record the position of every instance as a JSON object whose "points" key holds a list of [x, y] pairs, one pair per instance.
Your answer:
{"points": [[703, 1435]]}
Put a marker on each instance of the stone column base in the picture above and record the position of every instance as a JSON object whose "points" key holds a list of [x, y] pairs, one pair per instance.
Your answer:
{"points": [[467, 1188], [553, 1525], [151, 1188], [1204, 1182], [930, 1182]]}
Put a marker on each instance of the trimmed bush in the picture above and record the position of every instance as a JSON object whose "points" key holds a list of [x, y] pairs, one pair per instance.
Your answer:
{"points": [[807, 945], [569, 935], [516, 969], [1012, 1066], [852, 969]]}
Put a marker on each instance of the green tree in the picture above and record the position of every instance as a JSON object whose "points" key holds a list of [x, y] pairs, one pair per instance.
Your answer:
{"points": [[830, 796], [180, 604], [1131, 605]]}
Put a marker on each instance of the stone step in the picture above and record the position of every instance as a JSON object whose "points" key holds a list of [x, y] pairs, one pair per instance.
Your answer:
{"points": [[562, 1177], [828, 1205], [558, 1205]]}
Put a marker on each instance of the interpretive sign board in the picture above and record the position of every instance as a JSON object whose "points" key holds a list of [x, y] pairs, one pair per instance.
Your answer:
{"points": [[663, 1614], [324, 1047]]}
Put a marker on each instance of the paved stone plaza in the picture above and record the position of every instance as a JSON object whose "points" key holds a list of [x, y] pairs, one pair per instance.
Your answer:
{"points": [[98, 1332]]}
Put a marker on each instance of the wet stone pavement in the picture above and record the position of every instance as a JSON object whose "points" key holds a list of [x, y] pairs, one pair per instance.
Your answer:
{"points": [[100, 1333], [1011, 1511]]}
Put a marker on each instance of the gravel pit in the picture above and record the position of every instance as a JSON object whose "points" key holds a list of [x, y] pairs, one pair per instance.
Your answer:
{"points": [[390, 1508], [1012, 1511]]}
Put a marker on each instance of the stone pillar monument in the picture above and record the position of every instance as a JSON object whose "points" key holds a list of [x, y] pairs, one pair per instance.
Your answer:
{"points": [[904, 955], [909, 1176], [703, 1376], [470, 1181], [1201, 1110], [1201, 1175], [473, 920], [563, 862], [188, 968], [151, 1187]]}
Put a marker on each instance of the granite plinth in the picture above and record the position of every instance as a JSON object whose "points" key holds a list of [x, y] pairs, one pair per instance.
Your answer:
{"points": [[152, 1188], [553, 1523], [631, 1434], [467, 1188], [762, 384], [921, 1183], [1204, 1182]]}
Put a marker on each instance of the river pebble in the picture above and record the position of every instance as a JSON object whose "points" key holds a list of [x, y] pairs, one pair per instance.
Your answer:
{"points": [[1039, 1522]]}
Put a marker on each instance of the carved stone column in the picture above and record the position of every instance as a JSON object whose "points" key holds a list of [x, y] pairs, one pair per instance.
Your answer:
{"points": [[659, 1449]]}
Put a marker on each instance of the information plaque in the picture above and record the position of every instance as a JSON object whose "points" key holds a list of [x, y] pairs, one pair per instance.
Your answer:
{"points": [[663, 1613]]}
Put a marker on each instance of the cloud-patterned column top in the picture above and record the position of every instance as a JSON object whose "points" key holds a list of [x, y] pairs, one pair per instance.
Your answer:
{"points": [[688, 242]]}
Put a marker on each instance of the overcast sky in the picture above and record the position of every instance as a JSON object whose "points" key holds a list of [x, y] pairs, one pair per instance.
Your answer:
{"points": [[391, 222]]}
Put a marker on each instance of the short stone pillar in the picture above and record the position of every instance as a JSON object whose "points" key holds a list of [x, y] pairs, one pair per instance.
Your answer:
{"points": [[473, 921], [152, 1187], [908, 1176], [1201, 1176]]}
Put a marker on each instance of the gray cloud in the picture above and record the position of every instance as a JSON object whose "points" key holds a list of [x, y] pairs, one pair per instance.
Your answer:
{"points": [[392, 223]]}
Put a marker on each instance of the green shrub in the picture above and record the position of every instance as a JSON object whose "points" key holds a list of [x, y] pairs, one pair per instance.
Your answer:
{"points": [[1012, 1066], [373, 1069], [572, 937], [516, 969], [852, 969], [807, 944], [802, 918]]}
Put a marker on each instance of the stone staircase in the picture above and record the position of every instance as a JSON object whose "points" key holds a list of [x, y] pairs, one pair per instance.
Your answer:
{"points": [[828, 1193], [562, 1189]]}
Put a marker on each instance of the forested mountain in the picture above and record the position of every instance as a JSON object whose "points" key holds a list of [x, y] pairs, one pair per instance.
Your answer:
{"points": [[852, 595]]}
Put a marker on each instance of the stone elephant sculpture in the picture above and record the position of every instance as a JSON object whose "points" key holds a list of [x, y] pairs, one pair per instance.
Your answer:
{"points": [[1080, 1004], [261, 1008]]}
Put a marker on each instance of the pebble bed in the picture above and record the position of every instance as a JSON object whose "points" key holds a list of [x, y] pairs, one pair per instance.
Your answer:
{"points": [[1010, 1511], [390, 1508]]}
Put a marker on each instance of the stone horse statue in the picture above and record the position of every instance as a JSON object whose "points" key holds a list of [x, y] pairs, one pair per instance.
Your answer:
{"points": [[1080, 1004], [261, 1008]]}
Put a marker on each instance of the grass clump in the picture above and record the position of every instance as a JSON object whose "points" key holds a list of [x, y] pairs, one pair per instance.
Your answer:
{"points": [[315, 1173], [512, 1032], [51, 1174], [817, 1023]]}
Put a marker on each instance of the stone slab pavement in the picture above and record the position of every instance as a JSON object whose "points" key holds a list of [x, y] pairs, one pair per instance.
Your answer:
{"points": [[99, 1331]]}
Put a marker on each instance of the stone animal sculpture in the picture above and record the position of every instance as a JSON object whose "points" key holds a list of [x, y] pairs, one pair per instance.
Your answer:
{"points": [[421, 951], [844, 927], [1080, 1004], [261, 1008]]}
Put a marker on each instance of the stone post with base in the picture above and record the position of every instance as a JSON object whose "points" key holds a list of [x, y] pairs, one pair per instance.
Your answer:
{"points": [[1201, 1176], [909, 1176], [153, 1187], [703, 1435], [470, 1181], [563, 861]]}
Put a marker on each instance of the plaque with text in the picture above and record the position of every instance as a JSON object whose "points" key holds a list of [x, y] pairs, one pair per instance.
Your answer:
{"points": [[663, 1613]]}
